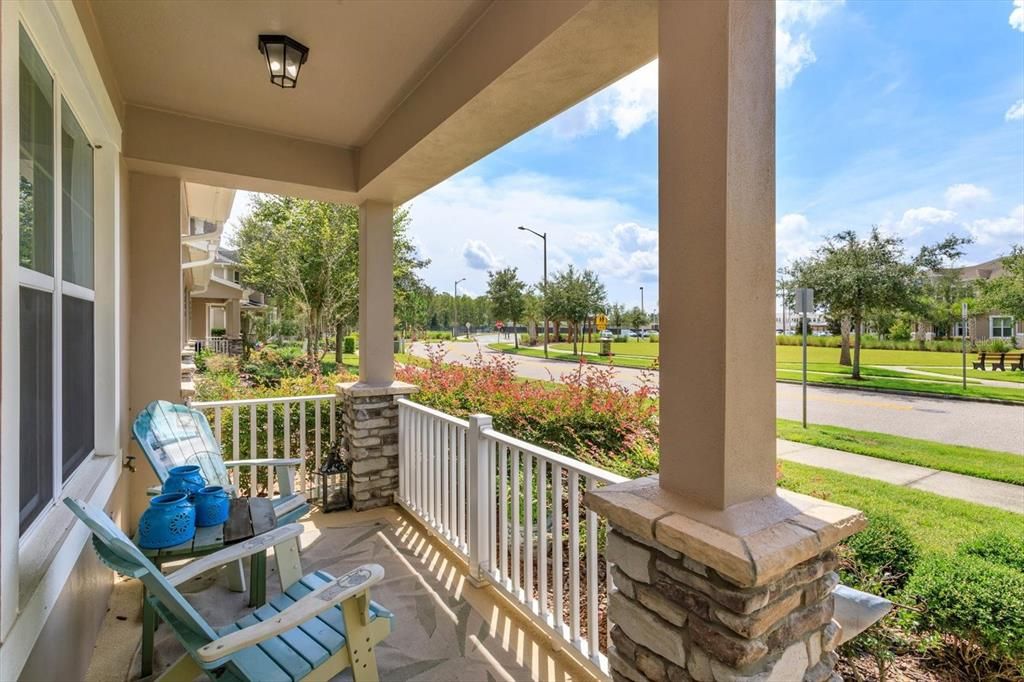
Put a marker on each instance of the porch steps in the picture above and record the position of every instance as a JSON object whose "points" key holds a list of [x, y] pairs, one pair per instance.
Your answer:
{"points": [[188, 370]]}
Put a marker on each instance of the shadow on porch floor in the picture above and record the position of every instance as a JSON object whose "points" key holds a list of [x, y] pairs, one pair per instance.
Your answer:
{"points": [[445, 629]]}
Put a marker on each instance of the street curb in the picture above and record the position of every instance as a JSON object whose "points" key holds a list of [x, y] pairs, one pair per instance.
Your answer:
{"points": [[896, 391]]}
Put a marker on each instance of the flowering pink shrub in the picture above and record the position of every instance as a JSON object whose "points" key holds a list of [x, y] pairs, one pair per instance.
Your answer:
{"points": [[587, 416]]}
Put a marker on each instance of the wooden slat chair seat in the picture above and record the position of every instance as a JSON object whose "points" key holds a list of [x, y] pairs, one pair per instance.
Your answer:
{"points": [[1016, 362], [173, 435], [316, 628]]}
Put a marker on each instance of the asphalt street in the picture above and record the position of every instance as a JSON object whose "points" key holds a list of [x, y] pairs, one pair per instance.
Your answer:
{"points": [[983, 425]]}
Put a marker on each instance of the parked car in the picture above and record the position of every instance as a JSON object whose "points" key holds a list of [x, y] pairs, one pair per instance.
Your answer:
{"points": [[607, 335]]}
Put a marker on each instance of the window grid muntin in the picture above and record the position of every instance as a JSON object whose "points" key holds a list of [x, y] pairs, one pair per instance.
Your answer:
{"points": [[29, 278]]}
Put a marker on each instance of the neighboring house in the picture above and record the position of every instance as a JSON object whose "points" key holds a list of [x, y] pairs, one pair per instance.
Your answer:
{"points": [[991, 324], [788, 322]]}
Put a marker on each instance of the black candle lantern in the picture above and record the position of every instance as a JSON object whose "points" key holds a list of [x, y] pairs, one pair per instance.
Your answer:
{"points": [[285, 56], [335, 481]]}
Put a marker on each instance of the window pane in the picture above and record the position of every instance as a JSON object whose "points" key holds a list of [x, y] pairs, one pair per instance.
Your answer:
{"points": [[76, 188], [36, 425], [35, 191], [77, 370]]}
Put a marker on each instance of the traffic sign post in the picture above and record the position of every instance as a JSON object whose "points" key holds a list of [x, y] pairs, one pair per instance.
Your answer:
{"points": [[804, 306]]}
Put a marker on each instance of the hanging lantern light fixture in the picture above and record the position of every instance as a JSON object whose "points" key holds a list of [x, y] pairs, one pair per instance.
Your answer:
{"points": [[285, 56]]}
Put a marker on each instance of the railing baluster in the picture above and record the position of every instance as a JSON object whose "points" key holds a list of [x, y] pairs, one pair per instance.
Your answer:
{"points": [[593, 626], [503, 504], [316, 434], [453, 499], [528, 534], [270, 448], [287, 446], [302, 435], [333, 406], [492, 506], [516, 525], [556, 488], [574, 556], [235, 474], [252, 449], [460, 447], [217, 426], [542, 535], [444, 501]]}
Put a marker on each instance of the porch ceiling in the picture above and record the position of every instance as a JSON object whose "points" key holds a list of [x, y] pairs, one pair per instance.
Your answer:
{"points": [[200, 59]]}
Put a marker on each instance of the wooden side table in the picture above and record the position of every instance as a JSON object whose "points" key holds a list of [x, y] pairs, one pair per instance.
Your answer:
{"points": [[248, 518]]}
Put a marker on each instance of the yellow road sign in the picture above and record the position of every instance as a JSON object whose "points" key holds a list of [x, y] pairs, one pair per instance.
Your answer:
{"points": [[602, 322]]}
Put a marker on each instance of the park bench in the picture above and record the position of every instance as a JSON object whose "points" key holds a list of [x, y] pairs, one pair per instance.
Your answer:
{"points": [[1015, 360], [315, 628], [998, 361]]}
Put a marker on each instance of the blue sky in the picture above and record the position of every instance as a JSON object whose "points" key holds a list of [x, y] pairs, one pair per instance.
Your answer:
{"points": [[905, 115]]}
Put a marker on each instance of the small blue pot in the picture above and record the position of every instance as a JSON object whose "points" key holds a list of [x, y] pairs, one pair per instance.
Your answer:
{"points": [[184, 479], [212, 506], [169, 521]]}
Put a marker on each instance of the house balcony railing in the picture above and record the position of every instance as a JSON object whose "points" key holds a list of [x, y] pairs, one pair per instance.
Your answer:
{"points": [[511, 510], [293, 426], [217, 344]]}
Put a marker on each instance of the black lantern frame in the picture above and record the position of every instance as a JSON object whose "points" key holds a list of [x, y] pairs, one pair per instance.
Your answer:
{"points": [[335, 481], [285, 57]]}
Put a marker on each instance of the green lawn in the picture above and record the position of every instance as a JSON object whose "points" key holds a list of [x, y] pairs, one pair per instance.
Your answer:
{"points": [[865, 370], [989, 464], [642, 348], [950, 388], [938, 524], [1014, 377], [869, 356], [618, 361]]}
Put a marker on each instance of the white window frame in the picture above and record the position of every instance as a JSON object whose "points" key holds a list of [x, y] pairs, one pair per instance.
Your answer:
{"points": [[35, 566], [992, 326]]}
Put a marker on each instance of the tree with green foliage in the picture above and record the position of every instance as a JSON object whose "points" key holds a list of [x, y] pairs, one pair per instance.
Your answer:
{"points": [[636, 318], [616, 315], [506, 293], [306, 253], [574, 296], [1006, 292], [852, 277]]}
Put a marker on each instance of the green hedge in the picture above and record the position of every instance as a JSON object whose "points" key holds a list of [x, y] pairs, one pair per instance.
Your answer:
{"points": [[869, 342], [976, 600], [349, 345]]}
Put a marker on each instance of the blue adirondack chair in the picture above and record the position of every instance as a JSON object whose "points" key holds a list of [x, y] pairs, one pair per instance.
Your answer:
{"points": [[174, 435], [317, 627]]}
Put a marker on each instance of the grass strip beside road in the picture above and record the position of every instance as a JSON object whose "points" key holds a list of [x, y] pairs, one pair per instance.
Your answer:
{"points": [[908, 385], [988, 464], [618, 361], [938, 524], [1011, 377]]}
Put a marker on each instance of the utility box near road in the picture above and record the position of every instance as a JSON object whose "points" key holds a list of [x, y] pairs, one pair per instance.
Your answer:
{"points": [[606, 348]]}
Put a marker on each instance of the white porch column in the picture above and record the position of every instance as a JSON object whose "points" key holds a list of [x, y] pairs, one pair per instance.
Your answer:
{"points": [[717, 245], [716, 573], [376, 293]]}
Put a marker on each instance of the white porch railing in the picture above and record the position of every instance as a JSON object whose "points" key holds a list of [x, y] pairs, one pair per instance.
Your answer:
{"points": [[292, 426], [217, 344], [512, 509]]}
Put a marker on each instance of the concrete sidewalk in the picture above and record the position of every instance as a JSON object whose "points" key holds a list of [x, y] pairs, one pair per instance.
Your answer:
{"points": [[978, 490]]}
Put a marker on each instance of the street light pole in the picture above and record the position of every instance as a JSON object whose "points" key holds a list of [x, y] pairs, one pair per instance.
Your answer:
{"points": [[544, 237], [642, 301], [455, 305]]}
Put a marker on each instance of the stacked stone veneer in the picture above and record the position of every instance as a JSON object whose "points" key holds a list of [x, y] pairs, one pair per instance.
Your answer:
{"points": [[369, 424], [697, 625], [711, 595]]}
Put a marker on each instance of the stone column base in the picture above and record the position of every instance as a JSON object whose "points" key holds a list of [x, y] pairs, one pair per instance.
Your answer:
{"points": [[369, 429], [717, 596]]}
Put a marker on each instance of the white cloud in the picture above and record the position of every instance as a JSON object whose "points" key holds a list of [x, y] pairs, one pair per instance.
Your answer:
{"points": [[793, 51], [794, 238], [1016, 112], [1008, 228], [479, 256], [966, 195], [632, 254], [917, 220], [581, 230], [628, 105], [1017, 15]]}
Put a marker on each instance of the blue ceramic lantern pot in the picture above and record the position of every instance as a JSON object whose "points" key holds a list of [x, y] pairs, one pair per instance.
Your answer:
{"points": [[184, 479], [212, 506], [169, 521]]}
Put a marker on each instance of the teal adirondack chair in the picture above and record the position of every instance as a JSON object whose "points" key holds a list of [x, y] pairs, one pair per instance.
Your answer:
{"points": [[317, 627], [174, 435]]}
